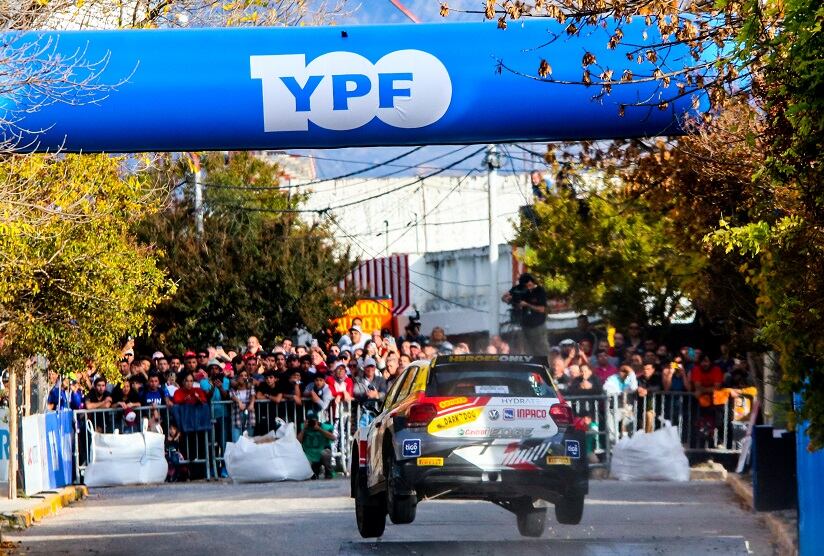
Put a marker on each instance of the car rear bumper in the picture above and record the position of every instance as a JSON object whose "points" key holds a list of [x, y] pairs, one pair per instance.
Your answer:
{"points": [[458, 479]]}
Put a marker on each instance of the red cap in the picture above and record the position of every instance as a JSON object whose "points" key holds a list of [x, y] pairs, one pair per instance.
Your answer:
{"points": [[249, 356], [189, 355]]}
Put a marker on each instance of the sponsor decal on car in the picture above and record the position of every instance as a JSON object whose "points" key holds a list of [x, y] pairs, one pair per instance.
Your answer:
{"points": [[515, 401], [479, 358], [491, 389], [558, 460], [431, 461], [452, 402], [411, 447], [454, 420], [525, 413], [509, 414], [573, 448], [508, 432], [494, 414]]}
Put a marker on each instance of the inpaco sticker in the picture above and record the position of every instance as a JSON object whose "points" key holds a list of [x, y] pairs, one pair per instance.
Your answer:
{"points": [[454, 420], [434, 462], [452, 402]]}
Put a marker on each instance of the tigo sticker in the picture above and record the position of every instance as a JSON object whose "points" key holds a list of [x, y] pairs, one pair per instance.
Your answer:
{"points": [[436, 462], [558, 460], [411, 448], [573, 449]]}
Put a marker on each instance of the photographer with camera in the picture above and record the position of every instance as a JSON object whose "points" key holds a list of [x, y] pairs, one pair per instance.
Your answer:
{"points": [[528, 301], [316, 439]]}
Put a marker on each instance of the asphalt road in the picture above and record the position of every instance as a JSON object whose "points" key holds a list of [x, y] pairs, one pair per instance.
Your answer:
{"points": [[317, 517]]}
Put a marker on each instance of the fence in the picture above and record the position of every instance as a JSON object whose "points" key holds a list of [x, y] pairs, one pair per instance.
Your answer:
{"points": [[205, 448], [714, 429]]}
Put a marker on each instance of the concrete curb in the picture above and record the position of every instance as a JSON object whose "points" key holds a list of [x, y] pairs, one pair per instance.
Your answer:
{"points": [[782, 532], [51, 503]]}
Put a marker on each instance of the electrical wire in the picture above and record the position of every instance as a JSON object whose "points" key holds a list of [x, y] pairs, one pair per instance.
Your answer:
{"points": [[375, 256]]}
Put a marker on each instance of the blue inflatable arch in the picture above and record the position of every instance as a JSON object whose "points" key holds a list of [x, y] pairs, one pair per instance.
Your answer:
{"points": [[328, 87]]}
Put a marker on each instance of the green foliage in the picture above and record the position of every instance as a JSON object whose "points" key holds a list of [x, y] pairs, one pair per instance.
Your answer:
{"points": [[73, 281], [256, 271], [616, 257]]}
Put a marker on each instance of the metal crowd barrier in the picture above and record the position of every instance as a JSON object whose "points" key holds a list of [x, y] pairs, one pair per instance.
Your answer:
{"points": [[207, 448]]}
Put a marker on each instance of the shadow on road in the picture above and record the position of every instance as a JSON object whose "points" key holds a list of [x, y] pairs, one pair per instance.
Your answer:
{"points": [[729, 546]]}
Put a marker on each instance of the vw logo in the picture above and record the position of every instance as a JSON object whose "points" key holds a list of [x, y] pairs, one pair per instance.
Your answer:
{"points": [[494, 414]]}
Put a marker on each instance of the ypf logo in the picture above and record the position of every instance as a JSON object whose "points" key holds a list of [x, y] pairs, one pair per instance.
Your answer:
{"points": [[344, 90]]}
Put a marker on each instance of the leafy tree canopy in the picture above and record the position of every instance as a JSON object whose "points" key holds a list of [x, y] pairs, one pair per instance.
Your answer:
{"points": [[259, 268]]}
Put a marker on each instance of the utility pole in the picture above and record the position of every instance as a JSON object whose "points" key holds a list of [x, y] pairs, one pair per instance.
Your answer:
{"points": [[492, 165], [198, 187]]}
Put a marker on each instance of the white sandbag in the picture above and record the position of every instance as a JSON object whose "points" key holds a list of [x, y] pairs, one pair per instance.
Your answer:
{"points": [[126, 459], [656, 456], [276, 457]]}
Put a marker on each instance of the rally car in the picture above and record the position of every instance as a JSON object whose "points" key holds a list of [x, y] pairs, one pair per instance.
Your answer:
{"points": [[477, 427]]}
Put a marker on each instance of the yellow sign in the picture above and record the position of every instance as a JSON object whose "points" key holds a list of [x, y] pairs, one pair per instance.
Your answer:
{"points": [[454, 420], [437, 462], [453, 402], [376, 314], [558, 460]]}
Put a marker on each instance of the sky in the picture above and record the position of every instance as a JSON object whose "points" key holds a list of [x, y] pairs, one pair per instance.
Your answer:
{"points": [[429, 158]]}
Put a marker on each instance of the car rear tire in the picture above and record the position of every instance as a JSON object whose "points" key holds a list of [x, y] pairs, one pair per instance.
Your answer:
{"points": [[401, 508], [531, 523], [570, 509], [370, 511]]}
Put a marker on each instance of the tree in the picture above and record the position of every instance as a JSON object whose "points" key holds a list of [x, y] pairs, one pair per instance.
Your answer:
{"points": [[73, 281], [259, 268]]}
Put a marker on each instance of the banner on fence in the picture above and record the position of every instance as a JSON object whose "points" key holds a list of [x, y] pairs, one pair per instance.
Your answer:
{"points": [[47, 451], [5, 445]]}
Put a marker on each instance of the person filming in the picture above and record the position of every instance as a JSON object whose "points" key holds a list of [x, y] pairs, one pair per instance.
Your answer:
{"points": [[528, 301]]}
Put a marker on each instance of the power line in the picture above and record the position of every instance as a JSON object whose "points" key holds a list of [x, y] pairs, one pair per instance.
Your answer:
{"points": [[374, 256]]}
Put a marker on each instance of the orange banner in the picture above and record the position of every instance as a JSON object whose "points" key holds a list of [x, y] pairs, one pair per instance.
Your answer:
{"points": [[376, 314]]}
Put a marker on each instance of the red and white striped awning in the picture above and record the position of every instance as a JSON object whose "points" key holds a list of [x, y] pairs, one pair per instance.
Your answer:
{"points": [[383, 277]]}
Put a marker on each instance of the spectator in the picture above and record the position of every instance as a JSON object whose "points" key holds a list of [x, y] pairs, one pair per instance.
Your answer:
{"points": [[340, 385], [253, 345], [429, 352], [559, 374], [98, 397], [604, 369], [171, 384], [357, 337], [319, 394], [405, 360], [175, 364], [251, 364], [125, 396], [319, 361], [202, 363], [288, 346], [370, 389], [725, 362], [586, 333], [635, 340], [162, 365], [529, 300], [190, 362], [649, 382], [705, 379], [216, 387], [622, 382], [415, 351], [243, 410], [291, 389], [585, 384], [316, 439], [439, 342], [392, 369], [674, 377], [540, 189], [618, 349], [345, 339], [153, 393], [461, 348], [187, 394], [267, 393]]}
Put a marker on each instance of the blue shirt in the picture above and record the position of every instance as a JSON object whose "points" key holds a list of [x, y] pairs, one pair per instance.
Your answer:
{"points": [[147, 397], [213, 395], [59, 398]]}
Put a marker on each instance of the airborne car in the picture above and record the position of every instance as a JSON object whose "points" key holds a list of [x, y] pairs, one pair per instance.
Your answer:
{"points": [[477, 427]]}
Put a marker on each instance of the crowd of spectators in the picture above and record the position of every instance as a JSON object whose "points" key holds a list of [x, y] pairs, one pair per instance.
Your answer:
{"points": [[361, 366]]}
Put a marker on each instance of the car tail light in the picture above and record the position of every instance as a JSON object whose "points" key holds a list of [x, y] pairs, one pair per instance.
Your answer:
{"points": [[420, 415], [561, 414]]}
